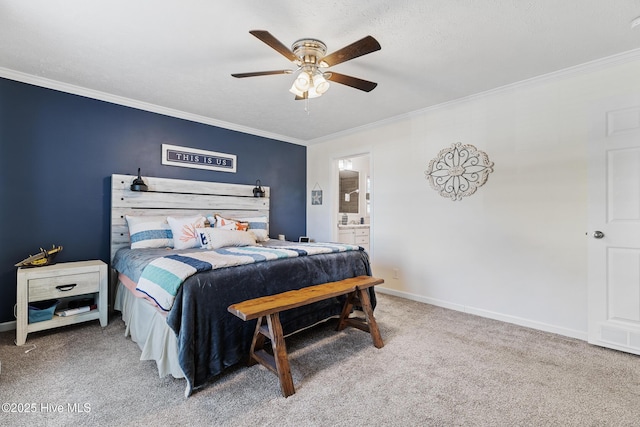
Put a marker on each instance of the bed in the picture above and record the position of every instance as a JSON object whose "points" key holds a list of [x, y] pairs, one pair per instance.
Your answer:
{"points": [[190, 334]]}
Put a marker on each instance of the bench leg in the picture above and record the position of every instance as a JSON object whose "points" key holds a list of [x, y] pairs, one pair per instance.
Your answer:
{"points": [[346, 311], [361, 296], [280, 354], [257, 344], [277, 363], [371, 320]]}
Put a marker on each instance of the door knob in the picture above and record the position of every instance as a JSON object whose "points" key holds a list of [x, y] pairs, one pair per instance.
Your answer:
{"points": [[598, 234]]}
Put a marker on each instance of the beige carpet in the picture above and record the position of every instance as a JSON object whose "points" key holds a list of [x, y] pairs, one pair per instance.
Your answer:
{"points": [[438, 367]]}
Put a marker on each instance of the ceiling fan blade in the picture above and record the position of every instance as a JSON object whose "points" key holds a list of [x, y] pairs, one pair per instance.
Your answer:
{"points": [[261, 73], [275, 44], [354, 82], [354, 50]]}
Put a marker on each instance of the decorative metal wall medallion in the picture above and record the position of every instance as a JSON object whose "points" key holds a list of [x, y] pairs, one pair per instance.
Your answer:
{"points": [[458, 171]]}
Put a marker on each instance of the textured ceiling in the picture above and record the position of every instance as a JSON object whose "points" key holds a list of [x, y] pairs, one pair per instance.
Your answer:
{"points": [[179, 55]]}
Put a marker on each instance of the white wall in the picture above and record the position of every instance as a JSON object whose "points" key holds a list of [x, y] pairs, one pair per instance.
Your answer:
{"points": [[515, 250]]}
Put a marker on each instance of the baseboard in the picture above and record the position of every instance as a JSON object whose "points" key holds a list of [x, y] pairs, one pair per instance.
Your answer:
{"points": [[8, 326], [528, 323]]}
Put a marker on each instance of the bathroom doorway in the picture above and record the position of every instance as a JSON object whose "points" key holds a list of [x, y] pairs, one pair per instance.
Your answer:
{"points": [[354, 208]]}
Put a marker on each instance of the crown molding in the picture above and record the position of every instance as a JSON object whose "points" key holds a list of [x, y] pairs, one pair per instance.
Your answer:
{"points": [[587, 67], [624, 57], [140, 105]]}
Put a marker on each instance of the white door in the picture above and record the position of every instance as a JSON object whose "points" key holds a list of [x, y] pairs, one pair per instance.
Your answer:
{"points": [[614, 225]]}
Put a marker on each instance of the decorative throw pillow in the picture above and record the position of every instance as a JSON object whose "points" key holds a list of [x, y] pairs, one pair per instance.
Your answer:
{"points": [[149, 232], [214, 238], [259, 226], [212, 220], [184, 231], [230, 224]]}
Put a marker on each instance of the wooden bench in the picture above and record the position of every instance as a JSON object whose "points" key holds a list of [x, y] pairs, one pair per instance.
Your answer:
{"points": [[267, 309]]}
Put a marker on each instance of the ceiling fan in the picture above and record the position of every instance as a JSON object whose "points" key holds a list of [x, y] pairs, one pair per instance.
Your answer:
{"points": [[309, 56]]}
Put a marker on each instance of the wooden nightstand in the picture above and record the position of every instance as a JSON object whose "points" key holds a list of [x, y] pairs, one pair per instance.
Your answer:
{"points": [[66, 282]]}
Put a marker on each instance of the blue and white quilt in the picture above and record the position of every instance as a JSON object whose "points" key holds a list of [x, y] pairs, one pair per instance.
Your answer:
{"points": [[161, 278]]}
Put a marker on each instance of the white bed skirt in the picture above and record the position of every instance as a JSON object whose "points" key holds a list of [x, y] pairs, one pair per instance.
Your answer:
{"points": [[148, 328]]}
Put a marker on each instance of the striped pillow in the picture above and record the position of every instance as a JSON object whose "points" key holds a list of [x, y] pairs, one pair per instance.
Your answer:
{"points": [[259, 227], [149, 232]]}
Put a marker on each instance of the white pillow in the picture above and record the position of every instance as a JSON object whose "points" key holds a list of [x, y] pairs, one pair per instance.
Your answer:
{"points": [[184, 231], [214, 238], [149, 232]]}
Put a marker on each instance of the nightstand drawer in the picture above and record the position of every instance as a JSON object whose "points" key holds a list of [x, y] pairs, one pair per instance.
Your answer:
{"points": [[362, 232], [63, 286]]}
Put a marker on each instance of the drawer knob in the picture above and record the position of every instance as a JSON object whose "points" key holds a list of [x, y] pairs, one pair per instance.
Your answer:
{"points": [[65, 288]]}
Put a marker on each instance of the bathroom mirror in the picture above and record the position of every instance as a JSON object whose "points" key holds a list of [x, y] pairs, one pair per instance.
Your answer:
{"points": [[349, 191]]}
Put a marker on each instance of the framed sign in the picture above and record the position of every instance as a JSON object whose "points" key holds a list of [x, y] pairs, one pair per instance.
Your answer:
{"points": [[316, 195], [174, 155]]}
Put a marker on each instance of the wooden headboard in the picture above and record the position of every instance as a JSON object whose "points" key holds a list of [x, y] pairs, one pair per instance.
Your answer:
{"points": [[176, 197]]}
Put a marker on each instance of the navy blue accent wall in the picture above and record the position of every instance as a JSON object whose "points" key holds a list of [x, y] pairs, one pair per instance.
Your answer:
{"points": [[57, 154]]}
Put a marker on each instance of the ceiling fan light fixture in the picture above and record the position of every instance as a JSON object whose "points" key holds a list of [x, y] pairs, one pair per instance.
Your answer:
{"points": [[297, 92], [320, 84], [313, 93], [302, 81]]}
